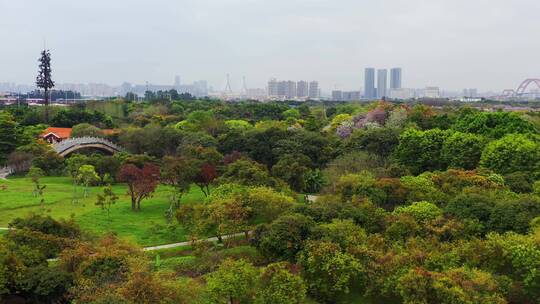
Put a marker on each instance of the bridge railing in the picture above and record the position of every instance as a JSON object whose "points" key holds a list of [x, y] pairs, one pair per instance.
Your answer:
{"points": [[71, 142]]}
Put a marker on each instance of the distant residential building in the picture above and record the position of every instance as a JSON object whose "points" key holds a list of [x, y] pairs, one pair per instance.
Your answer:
{"points": [[382, 85], [290, 89], [395, 78], [401, 93], [302, 89], [337, 95], [314, 92], [432, 92], [352, 96], [470, 93], [369, 84], [282, 89], [272, 88], [257, 94], [177, 81]]}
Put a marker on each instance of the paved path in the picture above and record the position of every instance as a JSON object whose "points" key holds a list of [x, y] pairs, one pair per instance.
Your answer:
{"points": [[3, 228], [174, 245], [167, 246]]}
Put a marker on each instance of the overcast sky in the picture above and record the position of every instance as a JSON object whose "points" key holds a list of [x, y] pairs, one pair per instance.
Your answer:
{"points": [[485, 44]]}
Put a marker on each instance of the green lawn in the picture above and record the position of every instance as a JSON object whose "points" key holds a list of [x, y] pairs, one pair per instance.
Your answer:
{"points": [[147, 227]]}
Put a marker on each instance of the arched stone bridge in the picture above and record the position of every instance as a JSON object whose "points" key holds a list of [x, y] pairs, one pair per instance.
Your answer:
{"points": [[71, 145]]}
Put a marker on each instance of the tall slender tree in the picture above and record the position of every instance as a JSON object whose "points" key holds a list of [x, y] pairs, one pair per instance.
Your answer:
{"points": [[44, 78]]}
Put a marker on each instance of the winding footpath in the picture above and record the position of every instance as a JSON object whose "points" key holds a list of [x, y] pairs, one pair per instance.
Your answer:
{"points": [[173, 245], [181, 244]]}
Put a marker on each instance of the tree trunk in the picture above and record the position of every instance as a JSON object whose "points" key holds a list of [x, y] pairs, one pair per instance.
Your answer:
{"points": [[133, 203], [46, 101]]}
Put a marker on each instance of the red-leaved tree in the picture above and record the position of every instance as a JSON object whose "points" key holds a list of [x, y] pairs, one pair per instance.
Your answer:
{"points": [[206, 176], [141, 182]]}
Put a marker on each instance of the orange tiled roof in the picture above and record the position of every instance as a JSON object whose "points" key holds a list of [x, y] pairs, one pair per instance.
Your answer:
{"points": [[59, 132]]}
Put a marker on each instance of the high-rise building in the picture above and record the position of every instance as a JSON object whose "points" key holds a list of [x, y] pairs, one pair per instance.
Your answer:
{"points": [[470, 93], [395, 78], [272, 88], [351, 96], [369, 83], [313, 90], [282, 89], [177, 81], [290, 89], [382, 77], [337, 95], [432, 92], [401, 94], [302, 89]]}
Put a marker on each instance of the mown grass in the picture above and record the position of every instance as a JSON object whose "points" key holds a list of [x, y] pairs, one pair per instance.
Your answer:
{"points": [[147, 227]]}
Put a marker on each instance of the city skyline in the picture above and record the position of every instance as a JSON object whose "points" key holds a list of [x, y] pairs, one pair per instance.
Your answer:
{"points": [[91, 41]]}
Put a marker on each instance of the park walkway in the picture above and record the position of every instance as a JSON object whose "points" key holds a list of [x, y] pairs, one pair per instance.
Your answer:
{"points": [[181, 244], [175, 245]]}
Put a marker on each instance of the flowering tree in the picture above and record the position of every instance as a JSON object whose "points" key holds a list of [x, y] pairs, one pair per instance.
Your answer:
{"points": [[141, 182]]}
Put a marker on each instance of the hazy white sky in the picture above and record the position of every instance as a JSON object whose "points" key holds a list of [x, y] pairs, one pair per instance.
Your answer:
{"points": [[487, 44]]}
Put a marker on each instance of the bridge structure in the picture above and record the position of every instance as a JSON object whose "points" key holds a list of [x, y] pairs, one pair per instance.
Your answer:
{"points": [[71, 145], [521, 91]]}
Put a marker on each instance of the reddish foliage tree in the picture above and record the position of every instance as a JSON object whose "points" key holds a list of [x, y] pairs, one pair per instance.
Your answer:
{"points": [[141, 182], [206, 176]]}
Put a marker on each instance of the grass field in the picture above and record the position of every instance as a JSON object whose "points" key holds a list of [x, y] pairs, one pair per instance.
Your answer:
{"points": [[147, 227]]}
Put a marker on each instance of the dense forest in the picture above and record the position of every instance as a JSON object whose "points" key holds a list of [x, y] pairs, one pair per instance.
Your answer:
{"points": [[374, 202]]}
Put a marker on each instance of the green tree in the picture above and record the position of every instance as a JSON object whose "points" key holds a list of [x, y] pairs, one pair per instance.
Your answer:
{"points": [[8, 136], [86, 129], [292, 168], [284, 237], [73, 164], [493, 125], [314, 181], [455, 286], [420, 151], [278, 285], [106, 200], [234, 281], [463, 150], [345, 233], [328, 272], [44, 79], [421, 211], [514, 152], [87, 176], [267, 204], [379, 141], [179, 173], [35, 175]]}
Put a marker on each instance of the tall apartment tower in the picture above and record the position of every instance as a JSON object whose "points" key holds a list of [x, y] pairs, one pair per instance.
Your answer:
{"points": [[369, 83], [302, 89], [313, 90], [273, 88], [382, 77], [290, 89], [395, 78]]}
